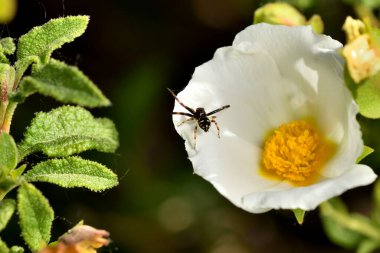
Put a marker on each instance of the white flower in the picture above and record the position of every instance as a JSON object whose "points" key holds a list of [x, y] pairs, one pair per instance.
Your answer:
{"points": [[290, 138]]}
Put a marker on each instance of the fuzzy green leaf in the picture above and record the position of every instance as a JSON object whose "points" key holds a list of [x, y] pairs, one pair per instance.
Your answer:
{"points": [[8, 154], [366, 151], [7, 208], [7, 45], [16, 249], [300, 215], [68, 130], [36, 216], [64, 83], [3, 247], [73, 172], [41, 41], [23, 64], [7, 75]]}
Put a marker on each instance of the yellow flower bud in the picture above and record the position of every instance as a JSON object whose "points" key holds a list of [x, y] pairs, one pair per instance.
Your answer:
{"points": [[7, 10]]}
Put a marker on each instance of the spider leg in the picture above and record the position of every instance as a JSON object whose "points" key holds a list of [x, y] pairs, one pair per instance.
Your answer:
{"points": [[195, 136], [216, 124], [184, 121], [182, 113], [185, 106], [218, 110]]}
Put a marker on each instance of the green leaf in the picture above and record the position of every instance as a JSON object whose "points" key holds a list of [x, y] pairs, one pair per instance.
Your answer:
{"points": [[368, 246], [7, 45], [22, 65], [41, 41], [8, 154], [36, 216], [7, 208], [73, 172], [299, 214], [3, 247], [16, 249], [337, 233], [366, 151], [7, 75], [14, 174], [64, 83], [68, 130]]}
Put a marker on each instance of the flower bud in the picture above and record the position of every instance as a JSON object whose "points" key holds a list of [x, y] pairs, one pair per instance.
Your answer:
{"points": [[285, 14], [279, 14], [7, 10], [361, 50]]}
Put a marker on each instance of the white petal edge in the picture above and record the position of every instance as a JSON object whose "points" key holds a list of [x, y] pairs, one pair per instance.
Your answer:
{"points": [[309, 197]]}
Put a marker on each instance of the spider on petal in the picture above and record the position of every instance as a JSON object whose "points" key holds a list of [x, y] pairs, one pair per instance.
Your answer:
{"points": [[202, 118]]}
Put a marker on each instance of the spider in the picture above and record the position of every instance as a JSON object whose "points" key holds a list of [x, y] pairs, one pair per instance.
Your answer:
{"points": [[200, 115]]}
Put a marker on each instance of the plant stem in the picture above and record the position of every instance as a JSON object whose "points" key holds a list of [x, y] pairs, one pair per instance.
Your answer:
{"points": [[346, 221], [10, 109]]}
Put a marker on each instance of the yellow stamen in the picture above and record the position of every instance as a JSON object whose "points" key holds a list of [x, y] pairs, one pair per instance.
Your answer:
{"points": [[296, 152]]}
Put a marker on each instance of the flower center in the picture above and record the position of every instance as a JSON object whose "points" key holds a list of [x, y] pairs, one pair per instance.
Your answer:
{"points": [[296, 152]]}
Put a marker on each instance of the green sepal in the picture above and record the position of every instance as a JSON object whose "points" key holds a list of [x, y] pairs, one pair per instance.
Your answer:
{"points": [[7, 208], [36, 216], [8, 154], [64, 83], [41, 41], [3, 247], [366, 152], [300, 215], [68, 130], [16, 249], [73, 172], [334, 230]]}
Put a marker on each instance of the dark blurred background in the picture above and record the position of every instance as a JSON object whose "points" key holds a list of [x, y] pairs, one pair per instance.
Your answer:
{"points": [[133, 50]]}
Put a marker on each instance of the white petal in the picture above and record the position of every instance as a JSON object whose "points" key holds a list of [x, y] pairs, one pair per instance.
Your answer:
{"points": [[260, 98], [270, 76], [308, 198], [229, 164], [310, 60]]}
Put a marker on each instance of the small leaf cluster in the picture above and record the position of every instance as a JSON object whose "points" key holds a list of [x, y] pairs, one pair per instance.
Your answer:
{"points": [[59, 134]]}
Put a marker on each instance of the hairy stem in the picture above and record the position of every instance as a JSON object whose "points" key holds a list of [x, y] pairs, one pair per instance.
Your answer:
{"points": [[10, 109]]}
